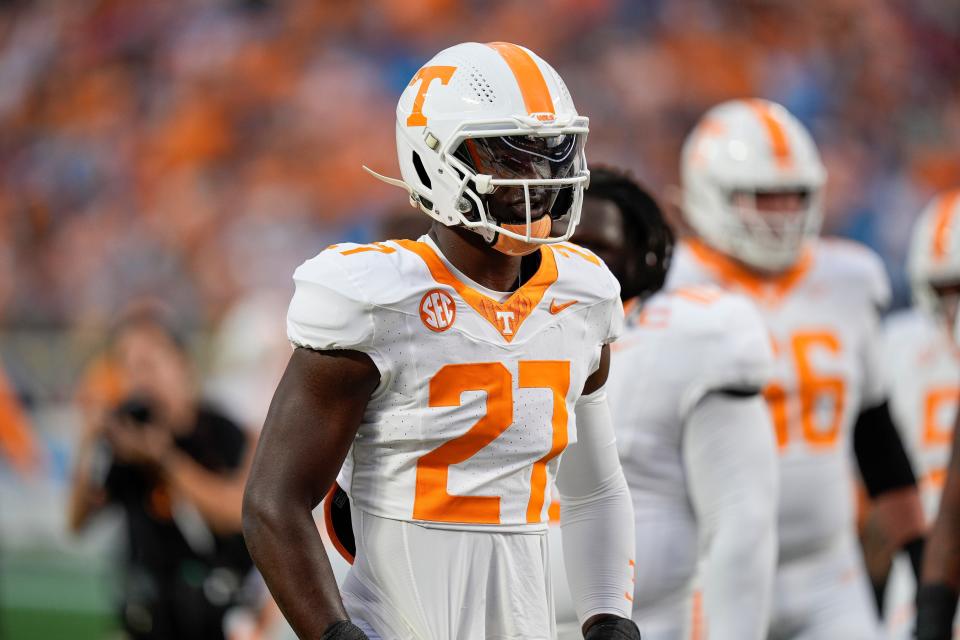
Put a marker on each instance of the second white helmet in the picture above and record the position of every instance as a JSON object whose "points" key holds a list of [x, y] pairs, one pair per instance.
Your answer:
{"points": [[740, 151], [934, 258]]}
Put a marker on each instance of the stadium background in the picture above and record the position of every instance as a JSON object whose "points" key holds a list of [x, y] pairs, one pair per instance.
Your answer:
{"points": [[198, 150]]}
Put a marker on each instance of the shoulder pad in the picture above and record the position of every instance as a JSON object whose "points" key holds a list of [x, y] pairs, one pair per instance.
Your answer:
{"points": [[583, 275], [859, 266]]}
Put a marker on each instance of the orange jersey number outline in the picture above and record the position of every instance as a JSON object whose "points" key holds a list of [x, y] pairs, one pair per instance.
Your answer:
{"points": [[936, 434], [432, 501], [811, 389]]}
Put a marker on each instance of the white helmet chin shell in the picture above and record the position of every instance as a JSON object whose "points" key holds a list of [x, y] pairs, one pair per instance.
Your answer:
{"points": [[934, 255], [751, 146], [474, 90]]}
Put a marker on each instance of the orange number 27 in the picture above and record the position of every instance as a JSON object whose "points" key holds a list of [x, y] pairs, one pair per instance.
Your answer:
{"points": [[432, 500]]}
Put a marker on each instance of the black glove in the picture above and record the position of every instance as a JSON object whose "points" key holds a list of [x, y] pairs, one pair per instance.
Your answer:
{"points": [[936, 604], [344, 630], [613, 629]]}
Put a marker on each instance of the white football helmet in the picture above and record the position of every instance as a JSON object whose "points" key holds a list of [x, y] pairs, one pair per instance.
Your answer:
{"points": [[739, 150], [484, 124], [934, 258]]}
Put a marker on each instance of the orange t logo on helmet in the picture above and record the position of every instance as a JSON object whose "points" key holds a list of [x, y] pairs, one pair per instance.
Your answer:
{"points": [[426, 75]]}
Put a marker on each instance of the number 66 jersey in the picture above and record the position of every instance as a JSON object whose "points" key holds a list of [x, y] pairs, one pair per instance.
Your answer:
{"points": [[823, 316], [477, 388]]}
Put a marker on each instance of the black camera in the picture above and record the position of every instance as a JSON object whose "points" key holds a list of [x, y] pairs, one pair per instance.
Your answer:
{"points": [[136, 410]]}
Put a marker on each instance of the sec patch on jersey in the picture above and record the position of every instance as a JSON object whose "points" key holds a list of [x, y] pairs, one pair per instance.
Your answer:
{"points": [[438, 311]]}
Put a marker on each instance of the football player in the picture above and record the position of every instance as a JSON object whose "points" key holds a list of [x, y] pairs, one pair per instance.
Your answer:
{"points": [[940, 586], [922, 364], [693, 432], [448, 376], [924, 367], [752, 195]]}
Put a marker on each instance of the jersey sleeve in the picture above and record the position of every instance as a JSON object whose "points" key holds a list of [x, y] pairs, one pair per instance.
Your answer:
{"points": [[889, 353], [606, 319], [615, 324], [878, 286], [734, 354], [329, 311]]}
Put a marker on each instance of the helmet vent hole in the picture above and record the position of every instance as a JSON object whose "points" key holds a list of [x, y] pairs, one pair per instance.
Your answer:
{"points": [[421, 171], [482, 91]]}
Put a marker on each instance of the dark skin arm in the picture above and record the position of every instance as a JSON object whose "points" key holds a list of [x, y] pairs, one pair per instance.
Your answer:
{"points": [[941, 560], [594, 383], [312, 421]]}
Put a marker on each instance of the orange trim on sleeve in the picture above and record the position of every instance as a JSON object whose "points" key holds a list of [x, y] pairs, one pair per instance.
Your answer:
{"points": [[328, 523], [566, 248], [518, 306], [775, 132], [763, 288], [946, 212], [533, 86]]}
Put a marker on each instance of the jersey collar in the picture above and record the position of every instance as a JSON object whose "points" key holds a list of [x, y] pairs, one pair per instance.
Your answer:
{"points": [[507, 316], [766, 289]]}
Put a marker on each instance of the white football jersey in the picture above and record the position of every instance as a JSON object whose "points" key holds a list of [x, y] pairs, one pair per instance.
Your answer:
{"points": [[922, 368], [677, 348], [921, 364], [823, 317], [476, 397]]}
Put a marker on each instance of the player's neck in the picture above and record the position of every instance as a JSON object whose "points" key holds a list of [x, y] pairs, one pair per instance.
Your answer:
{"points": [[467, 251]]}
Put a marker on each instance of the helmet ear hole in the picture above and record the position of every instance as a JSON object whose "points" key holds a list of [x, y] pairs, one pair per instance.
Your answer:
{"points": [[421, 171]]}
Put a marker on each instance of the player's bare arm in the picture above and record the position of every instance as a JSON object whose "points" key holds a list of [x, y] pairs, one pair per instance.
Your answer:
{"points": [[941, 563], [309, 429]]}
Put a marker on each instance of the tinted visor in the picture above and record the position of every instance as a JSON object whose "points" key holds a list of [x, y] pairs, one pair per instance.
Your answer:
{"points": [[521, 157]]}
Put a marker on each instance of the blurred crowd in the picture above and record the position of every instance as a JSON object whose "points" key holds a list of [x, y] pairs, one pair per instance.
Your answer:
{"points": [[197, 150]]}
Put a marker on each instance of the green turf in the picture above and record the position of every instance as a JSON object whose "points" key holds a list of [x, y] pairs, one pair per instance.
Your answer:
{"points": [[46, 596], [51, 624]]}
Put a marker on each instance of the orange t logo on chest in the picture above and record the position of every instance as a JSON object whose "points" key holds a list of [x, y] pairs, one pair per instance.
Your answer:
{"points": [[506, 319], [426, 75]]}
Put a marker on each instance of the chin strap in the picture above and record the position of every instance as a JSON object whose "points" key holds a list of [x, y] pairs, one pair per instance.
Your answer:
{"points": [[395, 182]]}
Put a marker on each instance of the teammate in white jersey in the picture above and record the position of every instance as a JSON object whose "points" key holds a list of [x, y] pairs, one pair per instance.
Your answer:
{"points": [[922, 366], [752, 191], [693, 433], [449, 376]]}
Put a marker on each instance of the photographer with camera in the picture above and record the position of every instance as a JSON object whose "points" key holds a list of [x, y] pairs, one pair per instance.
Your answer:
{"points": [[177, 468]]}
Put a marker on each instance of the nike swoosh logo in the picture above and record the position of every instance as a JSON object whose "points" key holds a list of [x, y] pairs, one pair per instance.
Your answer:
{"points": [[557, 308]]}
